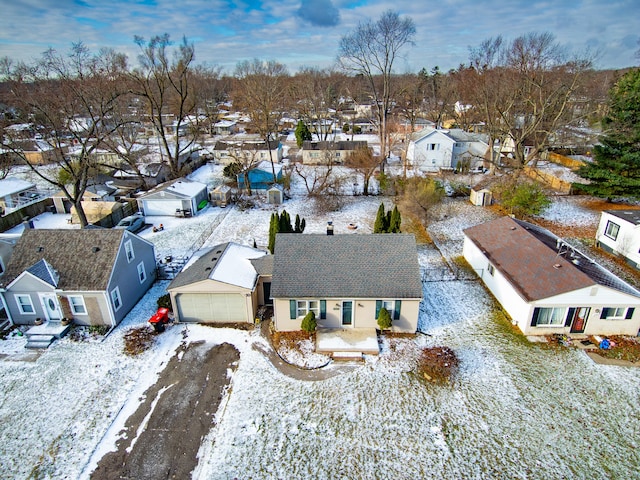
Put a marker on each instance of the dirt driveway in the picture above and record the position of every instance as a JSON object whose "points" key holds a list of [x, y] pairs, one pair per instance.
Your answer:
{"points": [[161, 439]]}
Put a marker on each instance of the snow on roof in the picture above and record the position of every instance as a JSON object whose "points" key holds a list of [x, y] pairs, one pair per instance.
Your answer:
{"points": [[266, 166], [234, 266], [9, 186], [186, 187], [225, 123]]}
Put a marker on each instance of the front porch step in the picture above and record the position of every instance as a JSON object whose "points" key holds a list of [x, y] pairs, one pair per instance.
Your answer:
{"points": [[5, 324], [40, 341], [351, 356]]}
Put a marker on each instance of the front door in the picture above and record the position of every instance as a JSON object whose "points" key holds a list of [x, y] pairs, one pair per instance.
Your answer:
{"points": [[266, 291], [51, 306], [347, 313], [579, 320]]}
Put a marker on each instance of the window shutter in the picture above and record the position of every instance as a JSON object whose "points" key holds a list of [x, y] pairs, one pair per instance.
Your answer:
{"points": [[292, 309], [378, 307], [323, 309], [629, 313], [396, 311], [534, 319], [572, 312], [604, 313]]}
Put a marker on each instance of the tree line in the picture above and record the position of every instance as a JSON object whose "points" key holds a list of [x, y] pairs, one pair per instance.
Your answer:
{"points": [[81, 103]]}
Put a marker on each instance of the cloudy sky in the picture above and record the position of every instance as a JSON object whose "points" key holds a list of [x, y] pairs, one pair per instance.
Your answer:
{"points": [[307, 32]]}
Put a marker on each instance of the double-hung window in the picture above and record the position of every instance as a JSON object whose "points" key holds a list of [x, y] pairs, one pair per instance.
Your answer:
{"points": [[24, 304], [76, 302], [115, 298], [391, 306], [611, 230], [142, 275], [128, 248], [300, 308]]}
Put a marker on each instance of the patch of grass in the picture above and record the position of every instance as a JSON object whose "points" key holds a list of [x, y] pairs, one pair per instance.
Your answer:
{"points": [[460, 262], [438, 364], [410, 224], [137, 340]]}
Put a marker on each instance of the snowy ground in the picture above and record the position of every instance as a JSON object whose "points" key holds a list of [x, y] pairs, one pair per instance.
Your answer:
{"points": [[515, 410]]}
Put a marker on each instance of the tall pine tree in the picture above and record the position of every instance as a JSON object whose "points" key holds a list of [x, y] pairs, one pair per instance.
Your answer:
{"points": [[380, 225], [395, 221], [615, 170]]}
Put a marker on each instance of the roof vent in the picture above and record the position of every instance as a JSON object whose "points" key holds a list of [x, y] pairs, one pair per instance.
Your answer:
{"points": [[40, 249], [214, 259], [513, 228], [557, 266], [95, 249], [207, 269]]}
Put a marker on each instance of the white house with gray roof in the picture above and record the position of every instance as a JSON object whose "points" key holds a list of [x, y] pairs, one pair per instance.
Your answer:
{"points": [[346, 280], [619, 233]]}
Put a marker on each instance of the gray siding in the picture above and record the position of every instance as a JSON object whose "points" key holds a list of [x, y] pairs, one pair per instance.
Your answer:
{"points": [[125, 275]]}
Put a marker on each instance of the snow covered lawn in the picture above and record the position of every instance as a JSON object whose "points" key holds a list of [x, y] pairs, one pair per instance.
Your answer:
{"points": [[515, 410]]}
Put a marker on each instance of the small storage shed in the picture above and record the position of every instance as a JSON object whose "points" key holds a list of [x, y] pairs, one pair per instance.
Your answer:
{"points": [[482, 197], [168, 198], [221, 195], [275, 195]]}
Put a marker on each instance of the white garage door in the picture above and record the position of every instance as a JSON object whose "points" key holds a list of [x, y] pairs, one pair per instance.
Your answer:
{"points": [[211, 307], [161, 207]]}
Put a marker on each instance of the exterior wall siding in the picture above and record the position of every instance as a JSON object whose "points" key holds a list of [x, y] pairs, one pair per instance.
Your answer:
{"points": [[364, 314], [596, 298], [627, 242]]}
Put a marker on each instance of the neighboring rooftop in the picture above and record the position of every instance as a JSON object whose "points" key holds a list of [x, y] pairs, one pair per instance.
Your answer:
{"points": [[631, 216], [83, 258], [538, 263]]}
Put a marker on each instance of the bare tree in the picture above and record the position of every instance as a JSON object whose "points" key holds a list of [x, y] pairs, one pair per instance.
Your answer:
{"points": [[260, 91], [317, 94], [246, 158], [365, 163], [524, 90], [371, 51], [165, 84], [71, 100]]}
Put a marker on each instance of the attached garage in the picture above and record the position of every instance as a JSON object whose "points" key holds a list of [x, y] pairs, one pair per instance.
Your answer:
{"points": [[212, 307], [218, 285]]}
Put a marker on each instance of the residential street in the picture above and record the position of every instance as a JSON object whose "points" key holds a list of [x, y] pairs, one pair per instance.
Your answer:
{"points": [[162, 438]]}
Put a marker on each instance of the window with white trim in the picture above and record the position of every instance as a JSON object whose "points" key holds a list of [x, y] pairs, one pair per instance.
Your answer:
{"points": [[76, 302], [491, 269], [305, 306], [142, 275], [25, 305], [550, 317], [115, 298], [128, 248], [611, 230]]}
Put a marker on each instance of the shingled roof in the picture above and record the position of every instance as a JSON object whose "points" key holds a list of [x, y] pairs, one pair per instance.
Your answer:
{"points": [[346, 266], [536, 262], [229, 263], [631, 216], [82, 259]]}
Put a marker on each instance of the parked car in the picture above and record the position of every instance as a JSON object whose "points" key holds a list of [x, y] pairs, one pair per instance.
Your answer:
{"points": [[133, 223]]}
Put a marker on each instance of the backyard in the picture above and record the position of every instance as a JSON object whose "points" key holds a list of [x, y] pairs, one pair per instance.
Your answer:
{"points": [[513, 410]]}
